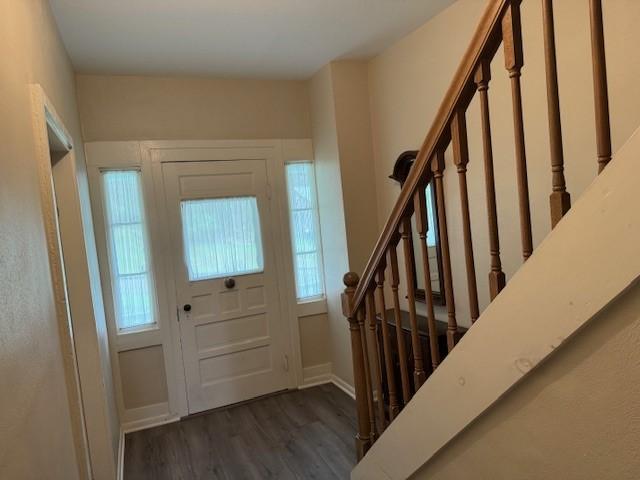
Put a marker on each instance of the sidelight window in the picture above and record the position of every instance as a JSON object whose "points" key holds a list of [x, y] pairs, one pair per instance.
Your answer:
{"points": [[129, 260], [305, 230]]}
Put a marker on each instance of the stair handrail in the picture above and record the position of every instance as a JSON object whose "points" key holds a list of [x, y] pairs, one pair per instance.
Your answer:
{"points": [[379, 397], [484, 45]]}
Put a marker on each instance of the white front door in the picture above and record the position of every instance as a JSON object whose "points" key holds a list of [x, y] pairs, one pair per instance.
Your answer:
{"points": [[233, 333]]}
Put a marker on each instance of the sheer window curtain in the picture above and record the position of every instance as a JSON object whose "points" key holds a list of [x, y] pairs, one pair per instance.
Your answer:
{"points": [[221, 237], [305, 233], [128, 249]]}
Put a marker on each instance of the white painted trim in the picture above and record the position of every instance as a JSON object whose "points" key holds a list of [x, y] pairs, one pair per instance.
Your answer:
{"points": [[45, 117], [142, 424], [312, 307], [316, 375], [126, 154], [271, 151], [120, 465], [553, 295], [149, 337], [321, 375], [141, 418], [343, 385]]}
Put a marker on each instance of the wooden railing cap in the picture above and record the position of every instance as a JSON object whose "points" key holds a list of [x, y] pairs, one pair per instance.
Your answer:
{"points": [[351, 279]]}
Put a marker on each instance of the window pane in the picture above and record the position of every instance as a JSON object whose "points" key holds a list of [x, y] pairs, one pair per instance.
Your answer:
{"points": [[124, 198], [305, 234], [300, 188], [128, 250], [308, 281], [135, 298], [304, 231], [221, 237]]}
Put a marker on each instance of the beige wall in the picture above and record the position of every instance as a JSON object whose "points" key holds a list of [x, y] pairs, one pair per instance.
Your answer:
{"points": [[342, 141], [332, 221], [187, 108], [353, 127], [408, 82], [36, 439], [144, 380], [575, 418], [314, 340], [341, 129]]}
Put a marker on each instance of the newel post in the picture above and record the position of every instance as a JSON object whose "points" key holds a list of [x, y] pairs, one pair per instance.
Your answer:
{"points": [[363, 437]]}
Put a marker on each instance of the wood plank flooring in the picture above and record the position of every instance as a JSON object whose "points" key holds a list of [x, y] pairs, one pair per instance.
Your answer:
{"points": [[299, 434]]}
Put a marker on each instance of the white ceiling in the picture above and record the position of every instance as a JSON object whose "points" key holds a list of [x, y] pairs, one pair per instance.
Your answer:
{"points": [[233, 38]]}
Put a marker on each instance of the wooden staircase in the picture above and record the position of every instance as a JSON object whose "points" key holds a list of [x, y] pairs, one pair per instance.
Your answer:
{"points": [[379, 395]]}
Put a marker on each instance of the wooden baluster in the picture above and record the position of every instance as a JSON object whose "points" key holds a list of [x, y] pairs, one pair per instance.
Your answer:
{"points": [[402, 349], [497, 279], [375, 354], [512, 36], [560, 200], [419, 375], [363, 437], [394, 407], [367, 373], [601, 90], [437, 168], [461, 160], [422, 225]]}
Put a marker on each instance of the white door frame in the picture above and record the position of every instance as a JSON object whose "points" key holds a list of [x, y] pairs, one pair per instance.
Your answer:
{"points": [[272, 152], [49, 128], [140, 154]]}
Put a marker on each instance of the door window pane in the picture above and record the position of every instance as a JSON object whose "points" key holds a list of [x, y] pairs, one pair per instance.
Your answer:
{"points": [[221, 237], [128, 249], [305, 231]]}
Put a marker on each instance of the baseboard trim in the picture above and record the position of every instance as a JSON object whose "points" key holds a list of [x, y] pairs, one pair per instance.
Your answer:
{"points": [[316, 375], [148, 416], [322, 375], [344, 386]]}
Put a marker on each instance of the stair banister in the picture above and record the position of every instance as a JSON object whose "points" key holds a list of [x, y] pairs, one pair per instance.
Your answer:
{"points": [[484, 44], [381, 390]]}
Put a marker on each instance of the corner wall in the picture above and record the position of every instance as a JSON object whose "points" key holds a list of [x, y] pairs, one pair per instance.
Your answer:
{"points": [[36, 436], [341, 132], [331, 210]]}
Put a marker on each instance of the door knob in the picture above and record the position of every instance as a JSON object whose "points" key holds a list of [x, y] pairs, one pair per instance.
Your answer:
{"points": [[230, 282], [187, 308]]}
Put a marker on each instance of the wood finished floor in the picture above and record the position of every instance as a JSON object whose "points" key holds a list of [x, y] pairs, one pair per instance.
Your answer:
{"points": [[300, 434]]}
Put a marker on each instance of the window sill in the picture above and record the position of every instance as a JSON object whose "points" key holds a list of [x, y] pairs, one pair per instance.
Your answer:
{"points": [[311, 307], [141, 338]]}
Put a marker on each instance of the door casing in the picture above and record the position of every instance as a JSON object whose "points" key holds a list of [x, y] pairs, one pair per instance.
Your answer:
{"points": [[271, 151], [253, 303], [147, 156]]}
